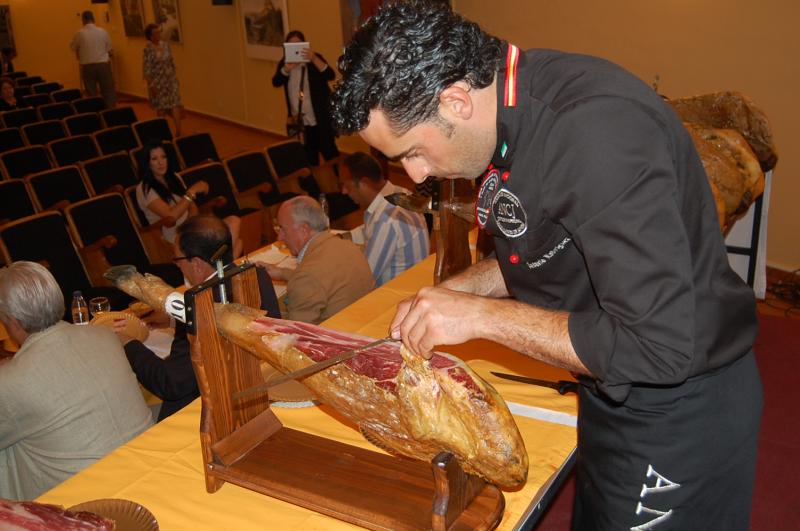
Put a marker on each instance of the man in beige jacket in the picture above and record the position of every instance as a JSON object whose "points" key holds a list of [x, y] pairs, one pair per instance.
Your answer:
{"points": [[331, 272], [67, 397]]}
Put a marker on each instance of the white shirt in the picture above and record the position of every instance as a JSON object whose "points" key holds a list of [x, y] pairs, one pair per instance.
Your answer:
{"points": [[293, 88], [144, 199], [91, 44]]}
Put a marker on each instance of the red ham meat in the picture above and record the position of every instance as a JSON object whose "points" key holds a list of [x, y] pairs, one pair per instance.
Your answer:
{"points": [[401, 402], [32, 516]]}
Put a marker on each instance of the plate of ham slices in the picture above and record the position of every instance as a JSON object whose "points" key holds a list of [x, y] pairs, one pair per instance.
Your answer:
{"points": [[126, 515], [97, 515]]}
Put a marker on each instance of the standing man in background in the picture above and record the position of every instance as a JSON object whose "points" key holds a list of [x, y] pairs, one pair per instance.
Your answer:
{"points": [[92, 46]]}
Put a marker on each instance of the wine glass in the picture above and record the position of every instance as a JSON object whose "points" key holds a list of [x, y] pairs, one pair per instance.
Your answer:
{"points": [[98, 305]]}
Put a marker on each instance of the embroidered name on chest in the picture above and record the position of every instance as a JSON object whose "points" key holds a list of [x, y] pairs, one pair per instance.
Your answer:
{"points": [[549, 254]]}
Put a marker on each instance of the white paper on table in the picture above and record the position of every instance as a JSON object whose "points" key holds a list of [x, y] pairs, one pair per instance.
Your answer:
{"points": [[160, 341], [273, 256]]}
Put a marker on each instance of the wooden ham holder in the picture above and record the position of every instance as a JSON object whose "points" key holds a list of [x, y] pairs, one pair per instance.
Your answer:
{"points": [[244, 443]]}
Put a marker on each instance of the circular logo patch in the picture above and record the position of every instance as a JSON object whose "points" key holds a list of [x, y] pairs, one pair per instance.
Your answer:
{"points": [[485, 196], [509, 215]]}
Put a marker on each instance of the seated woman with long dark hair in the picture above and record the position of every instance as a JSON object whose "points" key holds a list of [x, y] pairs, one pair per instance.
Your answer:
{"points": [[8, 100], [161, 193]]}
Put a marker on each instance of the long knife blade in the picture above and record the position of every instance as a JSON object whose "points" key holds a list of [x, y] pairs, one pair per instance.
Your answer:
{"points": [[562, 386], [412, 202], [311, 369]]}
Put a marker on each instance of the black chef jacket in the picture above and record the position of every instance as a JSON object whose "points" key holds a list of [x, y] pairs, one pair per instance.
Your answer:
{"points": [[600, 206]]}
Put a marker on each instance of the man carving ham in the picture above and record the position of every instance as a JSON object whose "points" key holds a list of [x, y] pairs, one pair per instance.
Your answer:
{"points": [[609, 257]]}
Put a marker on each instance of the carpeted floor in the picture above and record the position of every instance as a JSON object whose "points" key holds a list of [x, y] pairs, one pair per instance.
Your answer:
{"points": [[776, 501]]}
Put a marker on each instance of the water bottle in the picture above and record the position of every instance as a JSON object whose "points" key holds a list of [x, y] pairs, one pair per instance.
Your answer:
{"points": [[80, 311], [323, 202]]}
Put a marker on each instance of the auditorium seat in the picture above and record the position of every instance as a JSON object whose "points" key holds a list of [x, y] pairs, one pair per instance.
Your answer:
{"points": [[17, 163], [119, 116], [89, 104], [55, 111], [43, 132], [113, 139], [73, 149], [83, 124], [196, 149], [109, 172], [153, 130], [66, 94], [57, 188]]}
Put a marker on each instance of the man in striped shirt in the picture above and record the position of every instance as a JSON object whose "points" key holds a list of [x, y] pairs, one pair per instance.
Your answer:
{"points": [[395, 238]]}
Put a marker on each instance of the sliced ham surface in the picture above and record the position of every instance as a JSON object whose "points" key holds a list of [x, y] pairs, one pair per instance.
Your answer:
{"points": [[32, 516], [381, 363]]}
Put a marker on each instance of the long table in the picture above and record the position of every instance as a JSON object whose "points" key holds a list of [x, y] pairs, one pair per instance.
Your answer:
{"points": [[162, 468]]}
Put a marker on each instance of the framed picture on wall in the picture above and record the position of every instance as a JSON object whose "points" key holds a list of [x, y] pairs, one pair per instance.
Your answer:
{"points": [[356, 12], [167, 16], [265, 24], [132, 17]]}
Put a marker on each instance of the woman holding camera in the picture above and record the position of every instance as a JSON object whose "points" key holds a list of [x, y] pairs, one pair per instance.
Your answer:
{"points": [[305, 85]]}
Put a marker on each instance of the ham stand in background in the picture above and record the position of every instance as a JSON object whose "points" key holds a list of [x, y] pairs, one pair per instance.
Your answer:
{"points": [[244, 443]]}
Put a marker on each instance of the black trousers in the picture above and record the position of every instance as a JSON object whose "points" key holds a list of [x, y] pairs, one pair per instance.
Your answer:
{"points": [[678, 458], [319, 140]]}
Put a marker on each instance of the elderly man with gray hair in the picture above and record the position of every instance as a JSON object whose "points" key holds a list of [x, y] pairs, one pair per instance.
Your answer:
{"points": [[331, 272], [67, 397]]}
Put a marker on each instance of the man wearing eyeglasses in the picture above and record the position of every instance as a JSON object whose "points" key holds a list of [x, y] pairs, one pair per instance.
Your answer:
{"points": [[172, 379], [331, 273]]}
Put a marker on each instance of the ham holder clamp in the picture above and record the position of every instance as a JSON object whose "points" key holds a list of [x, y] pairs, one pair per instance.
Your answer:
{"points": [[244, 443]]}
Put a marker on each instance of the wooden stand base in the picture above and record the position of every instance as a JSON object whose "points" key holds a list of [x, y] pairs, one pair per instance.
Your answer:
{"points": [[245, 443], [360, 486]]}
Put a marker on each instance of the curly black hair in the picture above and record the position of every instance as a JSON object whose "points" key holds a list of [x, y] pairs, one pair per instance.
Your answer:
{"points": [[402, 58]]}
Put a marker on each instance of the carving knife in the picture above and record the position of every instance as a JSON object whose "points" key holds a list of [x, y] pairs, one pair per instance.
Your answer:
{"points": [[562, 386], [309, 370]]}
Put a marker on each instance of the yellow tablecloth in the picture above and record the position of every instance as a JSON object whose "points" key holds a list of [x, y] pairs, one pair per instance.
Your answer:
{"points": [[5, 340], [162, 468]]}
